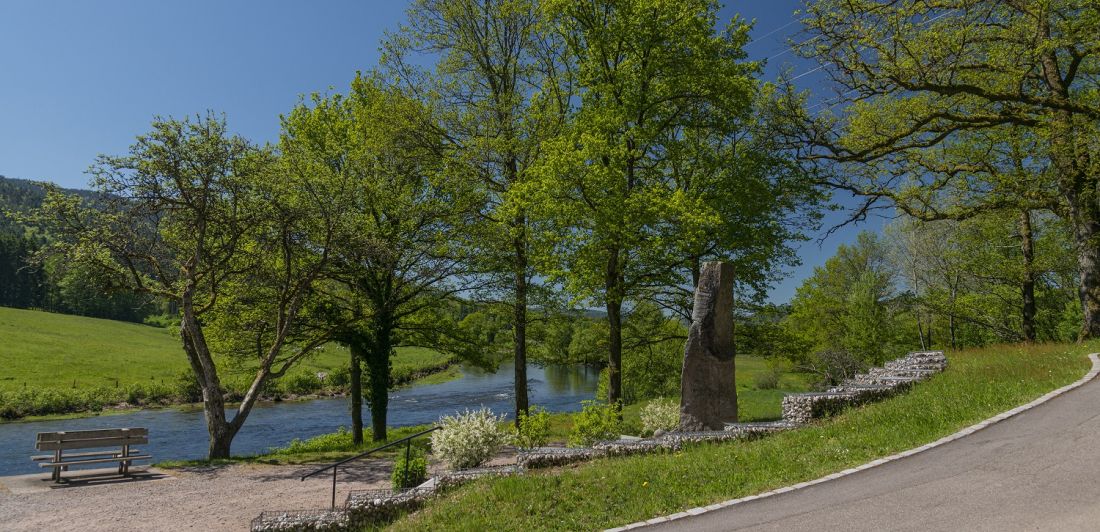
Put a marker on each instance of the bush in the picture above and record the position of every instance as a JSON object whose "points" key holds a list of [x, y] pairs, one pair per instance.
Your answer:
{"points": [[301, 383], [416, 473], [469, 439], [835, 365], [767, 379], [596, 421], [660, 414], [533, 429], [339, 378], [188, 386]]}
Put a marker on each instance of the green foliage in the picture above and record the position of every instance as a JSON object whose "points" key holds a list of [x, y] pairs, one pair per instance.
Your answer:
{"points": [[767, 379], [851, 306], [596, 421], [532, 428], [411, 472], [301, 383]]}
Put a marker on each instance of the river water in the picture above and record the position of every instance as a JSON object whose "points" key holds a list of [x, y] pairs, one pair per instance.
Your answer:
{"points": [[180, 434]]}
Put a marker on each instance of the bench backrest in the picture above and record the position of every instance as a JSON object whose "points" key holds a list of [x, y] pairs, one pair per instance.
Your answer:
{"points": [[87, 439]]}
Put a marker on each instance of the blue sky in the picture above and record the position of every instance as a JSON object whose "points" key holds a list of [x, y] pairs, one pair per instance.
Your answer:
{"points": [[80, 78]]}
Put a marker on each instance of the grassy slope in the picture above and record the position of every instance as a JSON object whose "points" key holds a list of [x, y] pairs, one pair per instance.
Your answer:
{"points": [[47, 350], [612, 492]]}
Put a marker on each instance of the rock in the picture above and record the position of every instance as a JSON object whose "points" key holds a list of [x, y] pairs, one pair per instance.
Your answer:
{"points": [[708, 397]]}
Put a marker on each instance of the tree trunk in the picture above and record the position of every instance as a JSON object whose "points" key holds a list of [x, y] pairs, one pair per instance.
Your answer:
{"points": [[1088, 260], [1079, 190], [355, 388], [614, 289], [951, 325], [1027, 288], [378, 372], [220, 431], [519, 327]]}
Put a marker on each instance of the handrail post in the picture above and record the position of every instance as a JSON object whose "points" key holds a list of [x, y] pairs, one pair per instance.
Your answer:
{"points": [[334, 468], [405, 479]]}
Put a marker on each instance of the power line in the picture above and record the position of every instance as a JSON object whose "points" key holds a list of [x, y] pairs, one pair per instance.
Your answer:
{"points": [[773, 32]]}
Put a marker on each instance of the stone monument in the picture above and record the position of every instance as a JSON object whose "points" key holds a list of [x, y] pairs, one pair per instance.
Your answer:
{"points": [[708, 394]]}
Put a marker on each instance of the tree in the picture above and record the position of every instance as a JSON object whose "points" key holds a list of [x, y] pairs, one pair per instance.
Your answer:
{"points": [[401, 252], [925, 81], [205, 220], [1000, 276], [495, 83], [848, 306], [643, 70]]}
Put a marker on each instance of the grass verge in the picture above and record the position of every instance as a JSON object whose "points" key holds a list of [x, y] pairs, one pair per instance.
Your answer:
{"points": [[605, 493]]}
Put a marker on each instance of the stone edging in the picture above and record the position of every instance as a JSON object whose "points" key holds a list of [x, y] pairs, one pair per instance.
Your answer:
{"points": [[1094, 357]]}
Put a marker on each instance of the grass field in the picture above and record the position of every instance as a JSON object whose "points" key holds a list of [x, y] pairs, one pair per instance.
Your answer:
{"points": [[610, 492], [46, 350], [56, 364]]}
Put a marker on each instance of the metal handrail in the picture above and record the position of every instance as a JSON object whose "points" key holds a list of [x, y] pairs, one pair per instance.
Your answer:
{"points": [[407, 440]]}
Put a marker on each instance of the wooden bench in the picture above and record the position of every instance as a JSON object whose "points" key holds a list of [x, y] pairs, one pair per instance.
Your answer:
{"points": [[58, 442]]}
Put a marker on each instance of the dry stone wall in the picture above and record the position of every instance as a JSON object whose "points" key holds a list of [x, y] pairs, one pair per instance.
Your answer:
{"points": [[876, 384]]}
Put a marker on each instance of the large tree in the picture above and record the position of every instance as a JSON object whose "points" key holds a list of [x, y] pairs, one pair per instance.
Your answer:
{"points": [[210, 223], [644, 70], [401, 250], [496, 85], [919, 82]]}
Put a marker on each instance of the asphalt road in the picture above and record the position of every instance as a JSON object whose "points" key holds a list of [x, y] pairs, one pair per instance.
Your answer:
{"points": [[1039, 470]]}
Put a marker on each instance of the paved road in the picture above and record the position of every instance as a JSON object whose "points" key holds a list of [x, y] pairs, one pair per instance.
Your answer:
{"points": [[1039, 470]]}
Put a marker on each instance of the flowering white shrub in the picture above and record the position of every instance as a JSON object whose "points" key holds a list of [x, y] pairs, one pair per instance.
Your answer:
{"points": [[660, 414], [470, 438]]}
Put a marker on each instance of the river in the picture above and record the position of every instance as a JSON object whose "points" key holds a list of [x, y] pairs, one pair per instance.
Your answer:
{"points": [[181, 434]]}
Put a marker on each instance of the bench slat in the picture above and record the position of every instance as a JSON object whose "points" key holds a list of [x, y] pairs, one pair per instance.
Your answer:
{"points": [[96, 433], [117, 452], [90, 443], [97, 461]]}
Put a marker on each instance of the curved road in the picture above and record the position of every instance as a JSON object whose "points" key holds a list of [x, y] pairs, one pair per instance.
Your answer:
{"points": [[1039, 470]]}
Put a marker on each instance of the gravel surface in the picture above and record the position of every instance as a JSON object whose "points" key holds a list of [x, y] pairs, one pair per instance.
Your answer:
{"points": [[207, 498]]}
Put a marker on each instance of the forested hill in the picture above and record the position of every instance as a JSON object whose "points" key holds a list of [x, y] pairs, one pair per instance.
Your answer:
{"points": [[49, 287], [21, 195]]}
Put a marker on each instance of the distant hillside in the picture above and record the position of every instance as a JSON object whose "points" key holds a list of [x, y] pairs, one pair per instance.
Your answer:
{"points": [[24, 284], [21, 195]]}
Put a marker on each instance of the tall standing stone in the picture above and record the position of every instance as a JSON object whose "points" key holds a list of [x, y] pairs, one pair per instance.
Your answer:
{"points": [[708, 395]]}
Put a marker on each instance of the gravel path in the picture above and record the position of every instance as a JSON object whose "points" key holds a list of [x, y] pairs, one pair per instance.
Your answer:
{"points": [[208, 498]]}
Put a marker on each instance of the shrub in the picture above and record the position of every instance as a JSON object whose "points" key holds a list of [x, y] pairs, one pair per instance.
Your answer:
{"points": [[767, 379], [596, 421], [835, 365], [469, 439], [533, 429], [188, 386], [414, 474], [660, 414], [339, 378], [301, 383]]}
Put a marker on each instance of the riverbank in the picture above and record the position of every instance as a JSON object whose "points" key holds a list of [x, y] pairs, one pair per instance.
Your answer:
{"points": [[82, 406]]}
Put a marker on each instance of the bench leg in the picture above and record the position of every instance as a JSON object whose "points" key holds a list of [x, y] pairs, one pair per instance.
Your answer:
{"points": [[56, 477], [124, 466]]}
